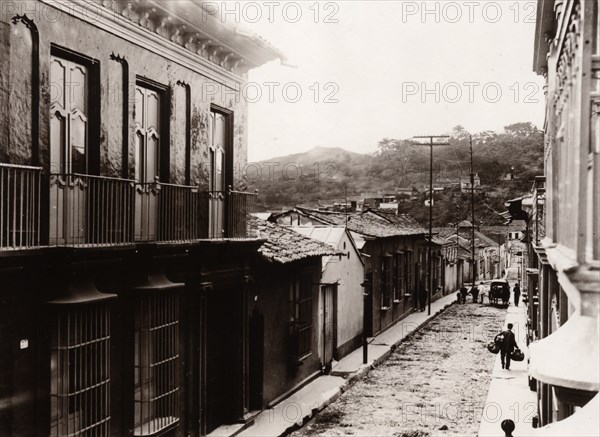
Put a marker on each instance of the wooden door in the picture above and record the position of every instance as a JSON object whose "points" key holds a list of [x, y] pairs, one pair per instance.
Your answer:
{"points": [[218, 136], [146, 161], [68, 150], [256, 359]]}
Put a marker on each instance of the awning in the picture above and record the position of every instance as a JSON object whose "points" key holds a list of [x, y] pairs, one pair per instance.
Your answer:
{"points": [[80, 290], [570, 356], [582, 423]]}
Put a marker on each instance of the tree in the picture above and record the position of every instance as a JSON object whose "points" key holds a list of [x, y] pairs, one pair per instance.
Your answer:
{"points": [[525, 129]]}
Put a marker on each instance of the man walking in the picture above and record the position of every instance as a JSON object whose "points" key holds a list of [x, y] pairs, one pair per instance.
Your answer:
{"points": [[517, 293], [507, 343], [463, 294]]}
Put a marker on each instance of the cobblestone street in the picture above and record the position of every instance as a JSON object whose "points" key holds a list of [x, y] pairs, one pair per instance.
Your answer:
{"points": [[435, 383]]}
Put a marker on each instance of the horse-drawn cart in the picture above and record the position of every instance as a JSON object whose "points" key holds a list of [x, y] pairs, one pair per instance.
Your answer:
{"points": [[499, 292]]}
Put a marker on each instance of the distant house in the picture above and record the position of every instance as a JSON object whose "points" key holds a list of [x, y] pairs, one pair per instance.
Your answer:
{"points": [[283, 316], [454, 256], [394, 254], [465, 184], [487, 250], [341, 292], [389, 206]]}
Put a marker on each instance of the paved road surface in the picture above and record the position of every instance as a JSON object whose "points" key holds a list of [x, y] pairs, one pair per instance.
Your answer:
{"points": [[435, 383]]}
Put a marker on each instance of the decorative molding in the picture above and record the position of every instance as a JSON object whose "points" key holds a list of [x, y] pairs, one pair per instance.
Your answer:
{"points": [[131, 30], [169, 28], [125, 115], [35, 84], [118, 58]]}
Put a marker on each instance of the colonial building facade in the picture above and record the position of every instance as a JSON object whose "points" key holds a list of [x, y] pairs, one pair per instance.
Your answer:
{"points": [[565, 361], [124, 255]]}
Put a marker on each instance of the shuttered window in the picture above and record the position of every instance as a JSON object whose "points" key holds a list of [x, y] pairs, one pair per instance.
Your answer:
{"points": [[398, 276], [303, 314], [68, 116]]}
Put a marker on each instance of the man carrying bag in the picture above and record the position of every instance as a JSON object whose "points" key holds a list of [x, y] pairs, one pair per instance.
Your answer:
{"points": [[507, 343]]}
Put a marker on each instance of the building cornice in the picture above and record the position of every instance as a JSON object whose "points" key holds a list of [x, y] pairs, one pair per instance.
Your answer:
{"points": [[161, 29]]}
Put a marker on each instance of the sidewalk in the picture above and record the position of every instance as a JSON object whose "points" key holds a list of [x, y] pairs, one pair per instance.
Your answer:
{"points": [[509, 396], [325, 389]]}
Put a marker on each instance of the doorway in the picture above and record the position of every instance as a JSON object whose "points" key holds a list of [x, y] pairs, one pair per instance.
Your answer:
{"points": [[256, 359], [329, 328]]}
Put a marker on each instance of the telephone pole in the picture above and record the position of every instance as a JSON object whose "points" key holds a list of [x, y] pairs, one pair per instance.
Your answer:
{"points": [[443, 142], [472, 214]]}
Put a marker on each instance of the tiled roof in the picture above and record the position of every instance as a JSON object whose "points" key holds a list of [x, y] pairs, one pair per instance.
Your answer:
{"points": [[403, 220], [484, 240], [371, 225], [438, 240], [283, 245], [481, 240]]}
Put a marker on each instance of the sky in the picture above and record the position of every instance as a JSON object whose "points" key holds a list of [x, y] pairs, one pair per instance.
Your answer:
{"points": [[360, 71]]}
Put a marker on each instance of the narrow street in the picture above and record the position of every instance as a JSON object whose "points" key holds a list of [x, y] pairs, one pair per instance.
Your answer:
{"points": [[435, 383]]}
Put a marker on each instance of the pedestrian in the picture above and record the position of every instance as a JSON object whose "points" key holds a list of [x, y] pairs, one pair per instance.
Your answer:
{"points": [[422, 296], [463, 294], [475, 292], [507, 343], [517, 293]]}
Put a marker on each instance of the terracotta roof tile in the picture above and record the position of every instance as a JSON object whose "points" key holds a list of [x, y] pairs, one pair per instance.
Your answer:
{"points": [[283, 245], [371, 225]]}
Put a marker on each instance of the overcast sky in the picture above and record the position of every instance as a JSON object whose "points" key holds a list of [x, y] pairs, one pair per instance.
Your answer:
{"points": [[373, 69]]}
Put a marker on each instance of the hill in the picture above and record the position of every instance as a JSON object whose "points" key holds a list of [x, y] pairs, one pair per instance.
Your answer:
{"points": [[323, 173]]}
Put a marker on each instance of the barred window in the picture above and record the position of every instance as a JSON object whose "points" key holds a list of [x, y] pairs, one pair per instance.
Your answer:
{"points": [[80, 371], [303, 312], [156, 362]]}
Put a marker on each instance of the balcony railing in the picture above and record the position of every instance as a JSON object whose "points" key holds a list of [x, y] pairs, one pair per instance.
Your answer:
{"points": [[239, 206], [20, 188], [166, 213], [224, 213], [90, 210], [85, 210]]}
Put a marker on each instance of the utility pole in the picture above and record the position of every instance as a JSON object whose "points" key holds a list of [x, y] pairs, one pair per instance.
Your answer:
{"points": [[472, 214], [444, 142]]}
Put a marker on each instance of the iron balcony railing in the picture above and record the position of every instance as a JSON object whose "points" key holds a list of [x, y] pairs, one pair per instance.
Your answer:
{"points": [[240, 206], [166, 213], [90, 210], [84, 210], [224, 214], [20, 188]]}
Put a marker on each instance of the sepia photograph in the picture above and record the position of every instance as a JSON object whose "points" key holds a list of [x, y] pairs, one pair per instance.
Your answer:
{"points": [[345, 218]]}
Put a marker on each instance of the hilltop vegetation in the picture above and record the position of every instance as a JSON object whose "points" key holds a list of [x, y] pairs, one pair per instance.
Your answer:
{"points": [[323, 174]]}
